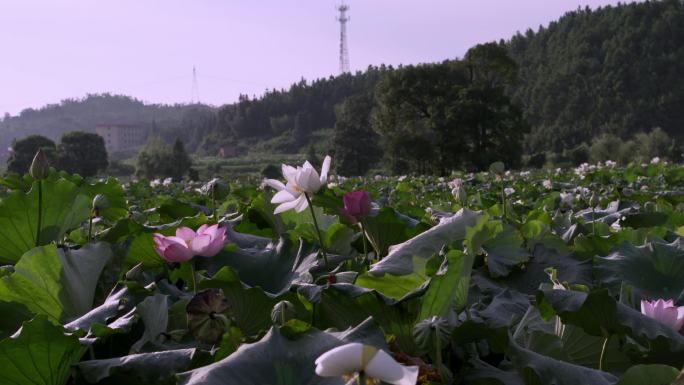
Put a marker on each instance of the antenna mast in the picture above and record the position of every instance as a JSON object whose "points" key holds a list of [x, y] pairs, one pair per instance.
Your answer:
{"points": [[344, 52], [194, 97]]}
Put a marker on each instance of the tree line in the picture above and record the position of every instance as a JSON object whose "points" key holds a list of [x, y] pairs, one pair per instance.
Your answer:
{"points": [[594, 83]]}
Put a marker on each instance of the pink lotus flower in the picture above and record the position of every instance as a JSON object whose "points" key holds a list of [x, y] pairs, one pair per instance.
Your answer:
{"points": [[357, 205], [206, 242], [665, 312]]}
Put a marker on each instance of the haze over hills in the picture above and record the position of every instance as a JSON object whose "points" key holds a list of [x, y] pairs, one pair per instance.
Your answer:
{"points": [[611, 70]]}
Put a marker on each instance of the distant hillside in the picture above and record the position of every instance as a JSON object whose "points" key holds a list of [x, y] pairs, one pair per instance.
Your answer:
{"points": [[616, 69], [84, 114], [612, 70]]}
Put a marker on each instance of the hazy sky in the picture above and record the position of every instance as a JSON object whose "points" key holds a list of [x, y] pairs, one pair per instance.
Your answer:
{"points": [[56, 49]]}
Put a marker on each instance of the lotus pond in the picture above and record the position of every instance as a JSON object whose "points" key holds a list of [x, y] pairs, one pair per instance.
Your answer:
{"points": [[564, 277]]}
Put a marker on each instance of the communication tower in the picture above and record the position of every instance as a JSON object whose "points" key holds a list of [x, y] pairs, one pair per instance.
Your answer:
{"points": [[194, 97], [344, 52]]}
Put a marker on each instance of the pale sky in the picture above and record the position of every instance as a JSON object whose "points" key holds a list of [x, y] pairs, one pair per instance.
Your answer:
{"points": [[57, 49]]}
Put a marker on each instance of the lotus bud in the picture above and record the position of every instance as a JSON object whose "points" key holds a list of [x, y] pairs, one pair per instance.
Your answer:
{"points": [[100, 203], [282, 312], [594, 199], [216, 188], [208, 316], [40, 169], [459, 194], [357, 205]]}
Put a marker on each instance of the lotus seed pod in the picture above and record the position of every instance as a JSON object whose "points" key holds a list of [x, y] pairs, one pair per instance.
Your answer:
{"points": [[40, 169], [282, 312], [497, 168], [208, 316]]}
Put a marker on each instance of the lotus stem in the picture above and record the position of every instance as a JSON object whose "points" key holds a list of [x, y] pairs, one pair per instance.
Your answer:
{"points": [[603, 353], [438, 351], [40, 211], [503, 197], [90, 228], [361, 378], [213, 202], [365, 246], [192, 278], [318, 230]]}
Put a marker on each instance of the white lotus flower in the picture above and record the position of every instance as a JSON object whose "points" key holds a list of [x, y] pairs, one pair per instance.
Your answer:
{"points": [[355, 357], [300, 181]]}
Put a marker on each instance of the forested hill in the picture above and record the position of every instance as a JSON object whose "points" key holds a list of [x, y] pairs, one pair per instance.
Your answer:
{"points": [[84, 114], [616, 69]]}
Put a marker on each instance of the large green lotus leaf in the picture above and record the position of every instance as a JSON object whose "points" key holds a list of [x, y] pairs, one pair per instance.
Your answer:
{"points": [[575, 346], [539, 369], [598, 314], [144, 368], [116, 207], [344, 305], [649, 375], [109, 316], [13, 314], [504, 249], [387, 228], [64, 207], [258, 218], [249, 307], [399, 261], [396, 286], [527, 280], [154, 312], [483, 373], [448, 290], [613, 212], [276, 359], [56, 283], [38, 354], [654, 270], [273, 268], [506, 309]]}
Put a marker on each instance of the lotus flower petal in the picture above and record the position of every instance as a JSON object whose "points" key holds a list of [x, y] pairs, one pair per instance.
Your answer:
{"points": [[356, 357], [665, 312]]}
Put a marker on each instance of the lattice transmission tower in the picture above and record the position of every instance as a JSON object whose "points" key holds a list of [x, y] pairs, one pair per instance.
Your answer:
{"points": [[344, 52], [194, 97]]}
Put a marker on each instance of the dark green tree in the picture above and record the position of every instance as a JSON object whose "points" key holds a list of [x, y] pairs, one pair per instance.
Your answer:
{"points": [[440, 117], [82, 153], [159, 160], [181, 160], [355, 145], [312, 157], [25, 149], [302, 128]]}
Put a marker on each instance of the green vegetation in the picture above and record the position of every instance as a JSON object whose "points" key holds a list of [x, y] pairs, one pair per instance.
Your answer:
{"points": [[159, 160], [602, 84], [517, 278], [82, 153]]}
